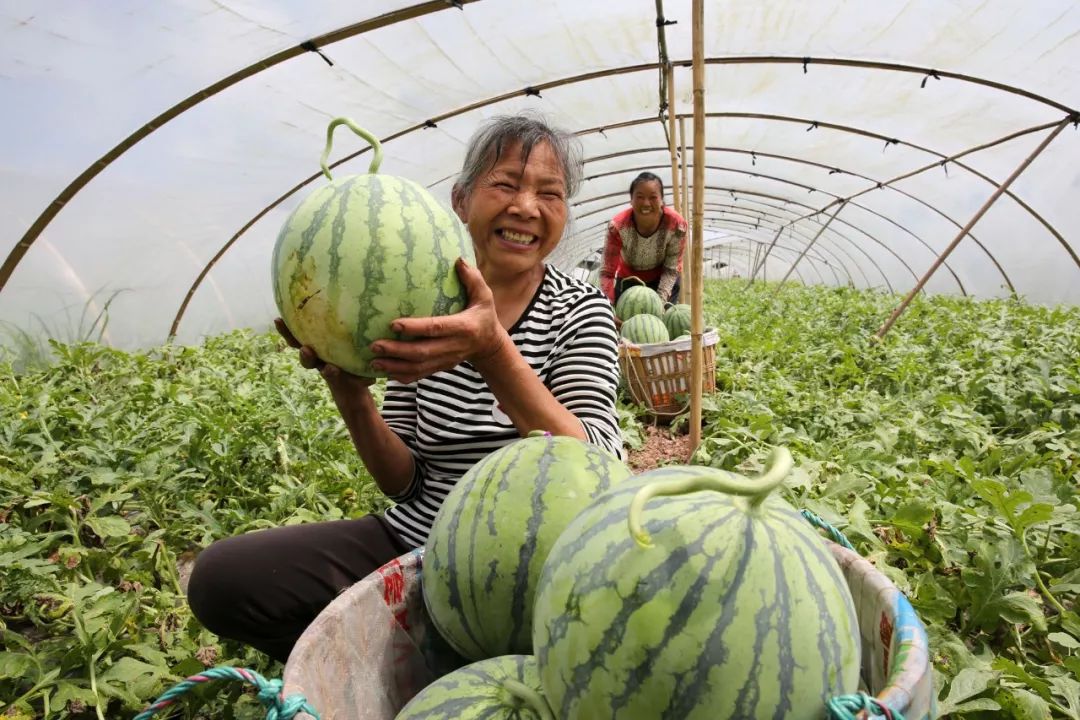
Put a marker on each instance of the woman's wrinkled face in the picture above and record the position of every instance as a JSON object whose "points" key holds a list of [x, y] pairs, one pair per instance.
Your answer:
{"points": [[647, 202], [517, 211]]}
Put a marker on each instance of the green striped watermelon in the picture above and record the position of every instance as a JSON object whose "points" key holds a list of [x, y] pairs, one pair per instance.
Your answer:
{"points": [[493, 532], [677, 320], [638, 300], [506, 687], [643, 329], [670, 597], [359, 253]]}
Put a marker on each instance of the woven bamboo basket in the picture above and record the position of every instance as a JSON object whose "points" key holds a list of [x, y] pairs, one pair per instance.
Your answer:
{"points": [[657, 375]]}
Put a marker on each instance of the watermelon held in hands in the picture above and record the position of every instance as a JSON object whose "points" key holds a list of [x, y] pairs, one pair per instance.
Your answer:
{"points": [[689, 592], [502, 688], [360, 252], [493, 532]]}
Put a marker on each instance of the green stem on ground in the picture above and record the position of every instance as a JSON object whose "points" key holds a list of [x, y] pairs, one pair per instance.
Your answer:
{"points": [[93, 685], [756, 489], [1038, 578]]}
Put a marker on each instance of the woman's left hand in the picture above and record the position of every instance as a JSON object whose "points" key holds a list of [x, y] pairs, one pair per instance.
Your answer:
{"points": [[440, 343]]}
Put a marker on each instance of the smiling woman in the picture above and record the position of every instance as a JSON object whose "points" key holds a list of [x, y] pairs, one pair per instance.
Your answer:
{"points": [[646, 241], [534, 350]]}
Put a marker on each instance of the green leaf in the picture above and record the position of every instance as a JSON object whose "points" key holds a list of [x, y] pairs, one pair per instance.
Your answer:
{"points": [[1068, 690], [995, 569], [912, 517], [1022, 608], [1064, 640], [1024, 705], [1013, 671], [108, 526], [968, 683], [15, 665]]}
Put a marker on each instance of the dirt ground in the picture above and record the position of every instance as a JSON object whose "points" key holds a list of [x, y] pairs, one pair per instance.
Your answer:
{"points": [[660, 448]]}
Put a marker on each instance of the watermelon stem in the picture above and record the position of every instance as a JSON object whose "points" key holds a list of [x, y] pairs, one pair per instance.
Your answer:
{"points": [[376, 161], [756, 489], [530, 697]]}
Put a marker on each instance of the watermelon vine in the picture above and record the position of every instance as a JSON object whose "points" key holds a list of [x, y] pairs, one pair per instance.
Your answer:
{"points": [[757, 489], [376, 146]]}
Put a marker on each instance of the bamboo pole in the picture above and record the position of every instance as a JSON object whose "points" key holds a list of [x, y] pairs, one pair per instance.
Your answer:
{"points": [[698, 43], [685, 209], [688, 260], [809, 245], [671, 135], [978, 216]]}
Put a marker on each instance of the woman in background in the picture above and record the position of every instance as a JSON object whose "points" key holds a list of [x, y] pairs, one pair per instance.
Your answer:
{"points": [[646, 241]]}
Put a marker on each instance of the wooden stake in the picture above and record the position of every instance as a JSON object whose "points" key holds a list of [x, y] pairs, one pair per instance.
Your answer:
{"points": [[685, 209], [967, 228], [688, 254], [698, 42]]}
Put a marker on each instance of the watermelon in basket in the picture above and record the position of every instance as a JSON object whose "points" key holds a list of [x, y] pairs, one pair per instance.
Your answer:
{"points": [[373, 649]]}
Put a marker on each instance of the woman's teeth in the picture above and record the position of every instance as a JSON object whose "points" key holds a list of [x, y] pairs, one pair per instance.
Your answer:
{"points": [[517, 238]]}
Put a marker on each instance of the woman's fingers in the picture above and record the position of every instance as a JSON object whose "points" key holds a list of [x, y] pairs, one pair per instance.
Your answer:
{"points": [[309, 359], [284, 332]]}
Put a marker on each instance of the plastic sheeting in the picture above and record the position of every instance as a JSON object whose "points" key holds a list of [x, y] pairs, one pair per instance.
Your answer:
{"points": [[885, 89]]}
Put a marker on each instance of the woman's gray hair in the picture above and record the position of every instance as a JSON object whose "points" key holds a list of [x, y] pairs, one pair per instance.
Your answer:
{"points": [[488, 143]]}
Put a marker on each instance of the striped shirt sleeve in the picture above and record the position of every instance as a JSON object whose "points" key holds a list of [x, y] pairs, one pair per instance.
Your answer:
{"points": [[399, 412], [583, 375]]}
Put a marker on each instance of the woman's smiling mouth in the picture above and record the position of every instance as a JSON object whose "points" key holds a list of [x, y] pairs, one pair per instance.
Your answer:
{"points": [[516, 238]]}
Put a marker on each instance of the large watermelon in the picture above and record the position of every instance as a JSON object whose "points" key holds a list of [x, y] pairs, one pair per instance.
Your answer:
{"points": [[506, 687], [677, 320], [643, 329], [493, 532], [669, 597], [359, 253], [638, 300]]}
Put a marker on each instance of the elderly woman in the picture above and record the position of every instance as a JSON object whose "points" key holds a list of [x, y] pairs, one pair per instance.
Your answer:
{"points": [[534, 350], [645, 241]]}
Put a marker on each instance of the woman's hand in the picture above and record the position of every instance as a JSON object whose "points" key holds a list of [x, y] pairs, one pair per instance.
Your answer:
{"points": [[343, 386], [440, 343]]}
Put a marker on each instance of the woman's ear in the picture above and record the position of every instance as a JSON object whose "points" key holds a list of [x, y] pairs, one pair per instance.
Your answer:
{"points": [[457, 202]]}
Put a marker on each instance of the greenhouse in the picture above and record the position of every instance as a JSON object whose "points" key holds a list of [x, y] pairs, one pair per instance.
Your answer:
{"points": [[876, 381]]}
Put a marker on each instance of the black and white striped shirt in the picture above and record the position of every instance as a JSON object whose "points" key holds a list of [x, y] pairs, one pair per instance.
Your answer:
{"points": [[450, 420]]}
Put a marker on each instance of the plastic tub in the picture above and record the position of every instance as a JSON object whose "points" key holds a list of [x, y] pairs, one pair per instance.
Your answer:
{"points": [[372, 649]]}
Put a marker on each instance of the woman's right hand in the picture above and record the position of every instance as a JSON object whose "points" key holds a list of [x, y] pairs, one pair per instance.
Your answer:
{"points": [[343, 385]]}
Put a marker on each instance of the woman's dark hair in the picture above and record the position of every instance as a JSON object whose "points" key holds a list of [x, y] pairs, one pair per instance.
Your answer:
{"points": [[487, 144], [647, 177]]}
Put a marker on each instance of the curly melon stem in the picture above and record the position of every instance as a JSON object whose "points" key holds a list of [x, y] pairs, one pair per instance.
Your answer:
{"points": [[757, 489], [376, 161], [530, 697]]}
